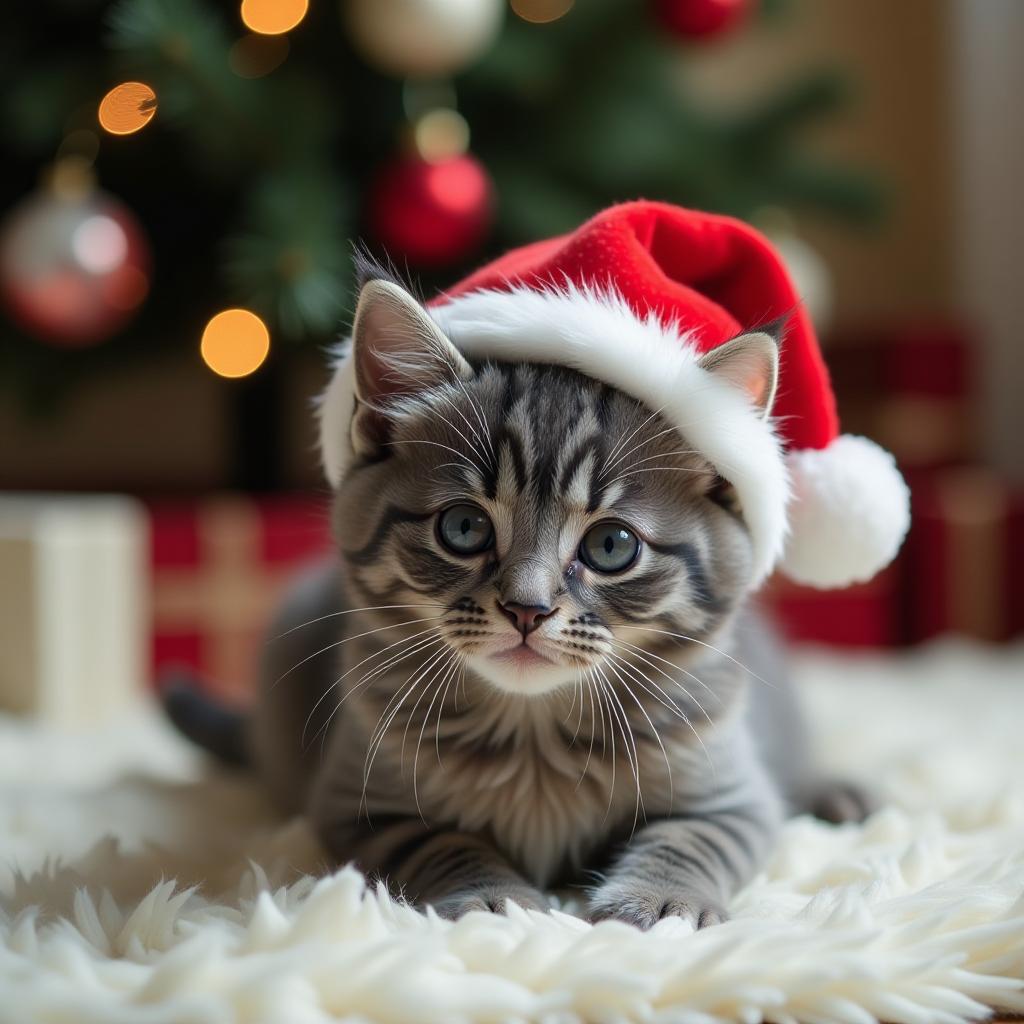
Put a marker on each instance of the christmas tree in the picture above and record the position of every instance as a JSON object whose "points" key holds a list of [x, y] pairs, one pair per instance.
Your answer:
{"points": [[250, 145]]}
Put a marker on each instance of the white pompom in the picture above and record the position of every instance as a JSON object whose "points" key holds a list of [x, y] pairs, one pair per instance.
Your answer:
{"points": [[849, 514]]}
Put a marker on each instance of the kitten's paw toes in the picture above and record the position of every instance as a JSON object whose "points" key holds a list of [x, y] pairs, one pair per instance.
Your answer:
{"points": [[493, 900], [644, 908], [838, 801]]}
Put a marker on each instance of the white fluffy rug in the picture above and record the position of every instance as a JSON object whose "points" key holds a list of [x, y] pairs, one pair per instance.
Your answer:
{"points": [[135, 888]]}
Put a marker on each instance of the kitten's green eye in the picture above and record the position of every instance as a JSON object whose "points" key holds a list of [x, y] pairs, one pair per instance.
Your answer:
{"points": [[609, 547], [465, 529]]}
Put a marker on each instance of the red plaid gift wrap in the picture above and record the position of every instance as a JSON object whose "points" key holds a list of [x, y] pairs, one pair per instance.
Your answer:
{"points": [[965, 556], [912, 390], [218, 569]]}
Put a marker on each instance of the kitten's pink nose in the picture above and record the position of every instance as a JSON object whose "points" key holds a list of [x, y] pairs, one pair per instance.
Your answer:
{"points": [[526, 617]]}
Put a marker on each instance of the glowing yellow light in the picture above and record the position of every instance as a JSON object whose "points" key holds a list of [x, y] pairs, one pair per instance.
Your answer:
{"points": [[127, 108], [441, 135], [541, 11], [272, 17], [235, 343], [254, 56]]}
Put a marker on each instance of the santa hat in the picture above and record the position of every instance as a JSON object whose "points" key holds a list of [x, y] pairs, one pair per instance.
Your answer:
{"points": [[637, 297]]}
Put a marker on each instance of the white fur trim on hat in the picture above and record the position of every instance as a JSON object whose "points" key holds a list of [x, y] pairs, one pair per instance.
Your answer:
{"points": [[850, 513], [598, 334]]}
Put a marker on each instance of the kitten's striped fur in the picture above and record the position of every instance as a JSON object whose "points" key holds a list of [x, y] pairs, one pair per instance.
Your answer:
{"points": [[633, 762]]}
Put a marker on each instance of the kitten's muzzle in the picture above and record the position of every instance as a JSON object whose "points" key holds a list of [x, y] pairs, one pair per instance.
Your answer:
{"points": [[525, 617]]}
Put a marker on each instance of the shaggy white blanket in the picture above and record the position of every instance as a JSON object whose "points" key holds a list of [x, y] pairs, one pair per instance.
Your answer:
{"points": [[149, 891]]}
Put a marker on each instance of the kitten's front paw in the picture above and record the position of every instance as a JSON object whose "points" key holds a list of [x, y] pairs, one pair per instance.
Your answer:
{"points": [[493, 899], [644, 904]]}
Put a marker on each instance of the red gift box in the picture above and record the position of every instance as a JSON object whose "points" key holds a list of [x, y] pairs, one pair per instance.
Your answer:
{"points": [[910, 389], [965, 556], [863, 615], [219, 566]]}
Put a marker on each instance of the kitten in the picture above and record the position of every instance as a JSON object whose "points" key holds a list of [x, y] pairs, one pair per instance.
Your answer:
{"points": [[525, 668]]}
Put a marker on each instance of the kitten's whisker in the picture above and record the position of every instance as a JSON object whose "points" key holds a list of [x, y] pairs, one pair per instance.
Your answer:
{"points": [[479, 438], [659, 694], [579, 721], [658, 469], [459, 663], [478, 413], [343, 676], [420, 647], [351, 611], [396, 659], [602, 692], [437, 444], [469, 444], [646, 657], [640, 444], [618, 447], [572, 706], [448, 668], [426, 683], [629, 741], [700, 643], [636, 673], [654, 730], [631, 468], [380, 730], [593, 728], [348, 639]]}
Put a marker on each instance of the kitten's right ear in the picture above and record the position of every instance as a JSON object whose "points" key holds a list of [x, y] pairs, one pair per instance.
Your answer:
{"points": [[398, 352], [750, 363]]}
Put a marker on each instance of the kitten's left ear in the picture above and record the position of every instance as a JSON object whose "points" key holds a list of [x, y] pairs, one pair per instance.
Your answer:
{"points": [[397, 353], [749, 362]]}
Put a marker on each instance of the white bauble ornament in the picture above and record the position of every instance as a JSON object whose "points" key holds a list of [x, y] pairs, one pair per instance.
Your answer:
{"points": [[422, 38]]}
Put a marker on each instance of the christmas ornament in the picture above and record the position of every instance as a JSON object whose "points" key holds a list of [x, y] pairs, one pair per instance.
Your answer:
{"points": [[423, 38], [432, 213], [74, 264], [701, 19], [646, 296]]}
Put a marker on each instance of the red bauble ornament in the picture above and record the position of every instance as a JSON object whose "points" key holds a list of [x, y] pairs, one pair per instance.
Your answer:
{"points": [[702, 19], [74, 267], [432, 213]]}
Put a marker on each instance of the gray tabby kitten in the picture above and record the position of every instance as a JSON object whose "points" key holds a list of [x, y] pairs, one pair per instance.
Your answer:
{"points": [[526, 670]]}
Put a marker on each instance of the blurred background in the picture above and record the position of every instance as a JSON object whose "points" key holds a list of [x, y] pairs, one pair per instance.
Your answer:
{"points": [[183, 182]]}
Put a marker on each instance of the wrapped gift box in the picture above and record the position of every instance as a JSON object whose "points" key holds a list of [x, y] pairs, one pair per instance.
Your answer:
{"points": [[864, 615], [911, 389], [965, 556], [73, 622], [218, 569]]}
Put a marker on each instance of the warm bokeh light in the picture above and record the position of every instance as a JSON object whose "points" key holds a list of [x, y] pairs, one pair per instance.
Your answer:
{"points": [[127, 108], [235, 343], [272, 17], [441, 135], [541, 11], [254, 56]]}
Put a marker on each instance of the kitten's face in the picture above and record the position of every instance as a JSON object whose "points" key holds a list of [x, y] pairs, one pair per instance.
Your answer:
{"points": [[544, 514]]}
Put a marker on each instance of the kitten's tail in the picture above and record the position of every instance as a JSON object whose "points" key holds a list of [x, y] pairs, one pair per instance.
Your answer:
{"points": [[207, 723]]}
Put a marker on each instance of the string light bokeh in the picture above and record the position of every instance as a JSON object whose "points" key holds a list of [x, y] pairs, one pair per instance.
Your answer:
{"points": [[235, 343], [273, 17], [127, 108]]}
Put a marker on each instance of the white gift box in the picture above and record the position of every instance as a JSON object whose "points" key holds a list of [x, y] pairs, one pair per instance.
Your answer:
{"points": [[74, 617]]}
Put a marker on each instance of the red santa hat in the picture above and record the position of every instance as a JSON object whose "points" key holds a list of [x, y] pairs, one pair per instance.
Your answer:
{"points": [[637, 297]]}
